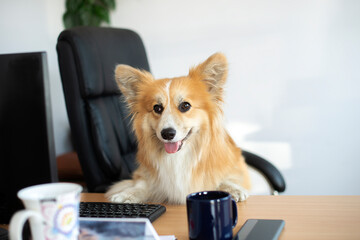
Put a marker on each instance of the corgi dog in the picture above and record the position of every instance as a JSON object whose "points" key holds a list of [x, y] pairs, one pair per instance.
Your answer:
{"points": [[183, 146]]}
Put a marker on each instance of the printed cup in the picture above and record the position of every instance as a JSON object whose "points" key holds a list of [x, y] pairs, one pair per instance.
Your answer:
{"points": [[52, 210]]}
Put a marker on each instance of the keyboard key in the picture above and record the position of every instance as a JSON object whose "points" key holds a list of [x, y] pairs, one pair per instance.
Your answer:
{"points": [[121, 210]]}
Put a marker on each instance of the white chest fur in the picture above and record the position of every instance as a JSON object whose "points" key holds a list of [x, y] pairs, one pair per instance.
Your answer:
{"points": [[174, 176]]}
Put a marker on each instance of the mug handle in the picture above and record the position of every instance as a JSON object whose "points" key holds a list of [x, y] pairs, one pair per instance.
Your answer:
{"points": [[235, 216], [18, 220]]}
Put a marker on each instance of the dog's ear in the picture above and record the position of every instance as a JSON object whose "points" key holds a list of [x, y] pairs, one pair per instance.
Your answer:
{"points": [[213, 72], [128, 79]]}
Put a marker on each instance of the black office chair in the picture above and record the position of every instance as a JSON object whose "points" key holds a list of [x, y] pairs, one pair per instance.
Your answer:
{"points": [[99, 122]]}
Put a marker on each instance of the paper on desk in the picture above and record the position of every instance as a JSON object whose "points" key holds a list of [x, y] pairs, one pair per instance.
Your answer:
{"points": [[170, 237]]}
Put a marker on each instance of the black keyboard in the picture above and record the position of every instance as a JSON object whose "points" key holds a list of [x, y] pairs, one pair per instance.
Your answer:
{"points": [[121, 210]]}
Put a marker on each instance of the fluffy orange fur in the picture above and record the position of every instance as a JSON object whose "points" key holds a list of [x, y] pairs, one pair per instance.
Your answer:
{"points": [[207, 159]]}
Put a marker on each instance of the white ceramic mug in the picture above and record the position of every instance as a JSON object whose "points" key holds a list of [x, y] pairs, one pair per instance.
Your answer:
{"points": [[52, 209]]}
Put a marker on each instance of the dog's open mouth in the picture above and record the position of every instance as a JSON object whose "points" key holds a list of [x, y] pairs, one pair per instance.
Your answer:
{"points": [[174, 147]]}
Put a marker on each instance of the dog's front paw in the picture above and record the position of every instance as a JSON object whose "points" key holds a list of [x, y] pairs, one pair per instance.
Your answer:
{"points": [[237, 192], [123, 198], [127, 196], [239, 195]]}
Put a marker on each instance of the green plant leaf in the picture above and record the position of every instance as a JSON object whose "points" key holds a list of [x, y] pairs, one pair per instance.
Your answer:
{"points": [[101, 13], [89, 2], [71, 20], [85, 17], [87, 12], [66, 20], [73, 5], [109, 4]]}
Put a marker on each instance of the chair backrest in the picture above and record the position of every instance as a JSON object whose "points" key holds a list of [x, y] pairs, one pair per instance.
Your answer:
{"points": [[99, 120]]}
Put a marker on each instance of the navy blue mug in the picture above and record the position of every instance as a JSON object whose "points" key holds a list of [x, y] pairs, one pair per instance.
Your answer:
{"points": [[211, 215]]}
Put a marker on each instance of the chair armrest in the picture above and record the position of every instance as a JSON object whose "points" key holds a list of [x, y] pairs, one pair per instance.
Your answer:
{"points": [[270, 172]]}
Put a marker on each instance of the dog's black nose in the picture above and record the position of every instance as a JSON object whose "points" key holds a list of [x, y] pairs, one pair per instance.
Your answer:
{"points": [[168, 133]]}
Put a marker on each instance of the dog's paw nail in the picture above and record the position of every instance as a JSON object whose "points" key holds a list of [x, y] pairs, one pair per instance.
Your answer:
{"points": [[116, 198], [240, 196], [243, 196]]}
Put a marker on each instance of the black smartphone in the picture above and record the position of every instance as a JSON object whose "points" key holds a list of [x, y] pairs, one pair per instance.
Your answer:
{"points": [[260, 229]]}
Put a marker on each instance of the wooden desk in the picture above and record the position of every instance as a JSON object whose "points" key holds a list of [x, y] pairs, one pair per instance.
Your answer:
{"points": [[306, 217]]}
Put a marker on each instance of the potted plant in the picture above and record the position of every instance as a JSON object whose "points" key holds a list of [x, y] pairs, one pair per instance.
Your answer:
{"points": [[87, 12]]}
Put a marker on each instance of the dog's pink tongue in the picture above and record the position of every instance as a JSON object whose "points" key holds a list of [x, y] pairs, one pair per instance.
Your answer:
{"points": [[172, 147]]}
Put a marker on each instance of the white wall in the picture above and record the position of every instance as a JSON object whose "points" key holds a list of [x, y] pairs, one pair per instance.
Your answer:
{"points": [[30, 26], [294, 81]]}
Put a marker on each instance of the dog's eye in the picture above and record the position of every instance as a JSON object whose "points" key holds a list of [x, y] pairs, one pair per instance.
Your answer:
{"points": [[158, 108], [184, 106]]}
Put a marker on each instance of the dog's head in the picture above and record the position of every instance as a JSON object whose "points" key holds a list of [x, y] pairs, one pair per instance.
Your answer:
{"points": [[174, 110]]}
